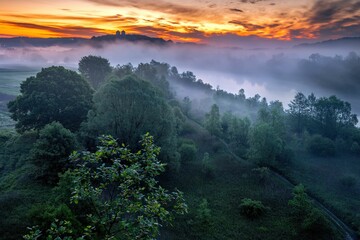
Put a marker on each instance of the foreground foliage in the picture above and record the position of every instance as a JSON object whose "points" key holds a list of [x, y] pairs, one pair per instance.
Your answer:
{"points": [[121, 193]]}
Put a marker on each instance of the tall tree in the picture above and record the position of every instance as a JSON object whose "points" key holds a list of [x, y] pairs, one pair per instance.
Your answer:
{"points": [[54, 94], [130, 107], [212, 121], [299, 111], [94, 69], [332, 114], [265, 144]]}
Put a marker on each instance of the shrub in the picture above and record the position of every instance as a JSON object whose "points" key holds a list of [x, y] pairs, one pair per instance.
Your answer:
{"points": [[207, 167], [203, 214], [51, 151], [321, 146], [308, 220], [252, 209], [188, 152]]}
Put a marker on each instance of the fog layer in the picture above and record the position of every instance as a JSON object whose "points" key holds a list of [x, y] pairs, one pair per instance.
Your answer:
{"points": [[276, 74]]}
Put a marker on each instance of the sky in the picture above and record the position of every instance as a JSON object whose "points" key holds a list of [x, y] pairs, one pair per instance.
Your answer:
{"points": [[202, 21]]}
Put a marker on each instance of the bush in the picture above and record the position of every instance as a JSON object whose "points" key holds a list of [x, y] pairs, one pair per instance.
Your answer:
{"points": [[51, 151], [321, 146], [207, 167], [203, 214], [252, 209], [308, 220], [188, 152]]}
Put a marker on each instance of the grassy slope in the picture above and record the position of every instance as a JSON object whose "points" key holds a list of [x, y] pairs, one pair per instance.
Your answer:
{"points": [[233, 181], [10, 80], [322, 176]]}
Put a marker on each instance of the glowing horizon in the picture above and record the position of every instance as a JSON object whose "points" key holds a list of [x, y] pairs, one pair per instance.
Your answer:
{"points": [[186, 21]]}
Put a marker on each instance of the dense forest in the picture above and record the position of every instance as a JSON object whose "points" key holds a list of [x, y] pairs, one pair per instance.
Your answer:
{"points": [[147, 152]]}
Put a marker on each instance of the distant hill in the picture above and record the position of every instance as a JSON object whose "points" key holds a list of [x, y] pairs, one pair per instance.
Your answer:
{"points": [[352, 43], [48, 42]]}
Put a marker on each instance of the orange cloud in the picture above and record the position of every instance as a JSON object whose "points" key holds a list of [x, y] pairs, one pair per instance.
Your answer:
{"points": [[187, 20]]}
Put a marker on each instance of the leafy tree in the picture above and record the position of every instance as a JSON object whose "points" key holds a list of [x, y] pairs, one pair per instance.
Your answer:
{"points": [[309, 221], [212, 121], [123, 70], [94, 69], [130, 107], [186, 105], [274, 115], [252, 209], [188, 152], [55, 94], [239, 132], [122, 190], [179, 119], [235, 131], [51, 151], [203, 214], [207, 166], [299, 111], [154, 73], [265, 144], [332, 114], [321, 146]]}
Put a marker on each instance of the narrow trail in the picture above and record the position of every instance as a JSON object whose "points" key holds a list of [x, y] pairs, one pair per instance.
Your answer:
{"points": [[347, 232]]}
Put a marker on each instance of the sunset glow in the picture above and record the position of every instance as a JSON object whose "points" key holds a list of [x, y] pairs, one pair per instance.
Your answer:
{"points": [[181, 21]]}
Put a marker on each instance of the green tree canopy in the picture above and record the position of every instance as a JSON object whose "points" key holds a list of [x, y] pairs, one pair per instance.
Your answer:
{"points": [[130, 107], [121, 194], [333, 114], [94, 69], [299, 110], [265, 144], [212, 121], [54, 94], [51, 151]]}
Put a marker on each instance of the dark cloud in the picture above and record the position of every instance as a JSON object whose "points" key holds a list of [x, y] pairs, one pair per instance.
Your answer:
{"points": [[254, 27], [325, 11], [335, 18], [236, 10], [165, 32], [248, 26]]}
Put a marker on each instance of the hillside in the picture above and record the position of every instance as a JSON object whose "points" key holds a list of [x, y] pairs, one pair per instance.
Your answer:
{"points": [[347, 43], [239, 161], [48, 42]]}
